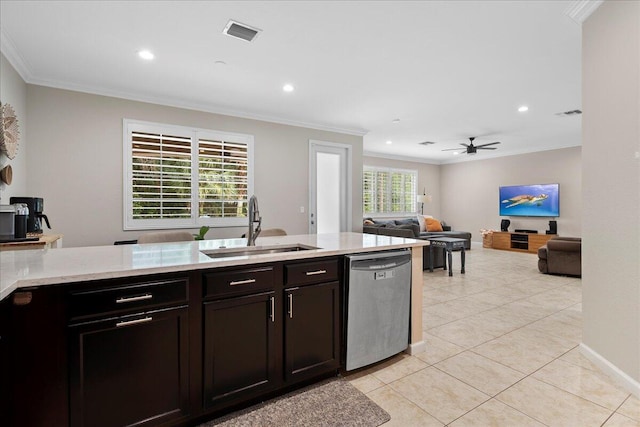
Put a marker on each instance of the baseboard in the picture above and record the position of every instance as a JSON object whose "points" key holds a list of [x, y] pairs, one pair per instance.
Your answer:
{"points": [[416, 347], [476, 244], [611, 370]]}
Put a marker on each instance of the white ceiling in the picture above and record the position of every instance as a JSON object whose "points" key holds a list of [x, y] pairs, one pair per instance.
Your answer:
{"points": [[447, 69]]}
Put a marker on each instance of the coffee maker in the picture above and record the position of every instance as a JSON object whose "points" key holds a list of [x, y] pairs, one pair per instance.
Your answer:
{"points": [[36, 207]]}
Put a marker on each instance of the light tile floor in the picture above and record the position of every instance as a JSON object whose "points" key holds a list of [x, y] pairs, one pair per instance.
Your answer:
{"points": [[502, 350]]}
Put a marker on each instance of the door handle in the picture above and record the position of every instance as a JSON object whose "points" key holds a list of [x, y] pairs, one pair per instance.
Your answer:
{"points": [[133, 299], [273, 309], [134, 322], [315, 273], [290, 297], [242, 282]]}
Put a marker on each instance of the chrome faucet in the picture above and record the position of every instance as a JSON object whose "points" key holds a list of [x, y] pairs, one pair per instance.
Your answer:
{"points": [[254, 216]]}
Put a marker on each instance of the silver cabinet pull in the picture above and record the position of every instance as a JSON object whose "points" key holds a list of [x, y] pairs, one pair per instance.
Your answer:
{"points": [[133, 322], [290, 296], [273, 309], [314, 273], [242, 282], [132, 299]]}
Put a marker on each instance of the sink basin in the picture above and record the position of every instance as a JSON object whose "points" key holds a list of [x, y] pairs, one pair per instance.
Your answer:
{"points": [[255, 250]]}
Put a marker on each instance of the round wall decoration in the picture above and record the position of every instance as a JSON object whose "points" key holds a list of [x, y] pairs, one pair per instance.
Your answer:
{"points": [[10, 131]]}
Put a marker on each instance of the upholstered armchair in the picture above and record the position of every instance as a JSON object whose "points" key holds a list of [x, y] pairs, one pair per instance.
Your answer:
{"points": [[561, 255]]}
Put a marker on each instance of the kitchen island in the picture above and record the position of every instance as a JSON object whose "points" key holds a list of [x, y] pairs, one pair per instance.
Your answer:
{"points": [[217, 324]]}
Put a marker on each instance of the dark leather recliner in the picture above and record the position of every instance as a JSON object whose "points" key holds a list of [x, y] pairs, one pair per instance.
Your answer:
{"points": [[561, 255]]}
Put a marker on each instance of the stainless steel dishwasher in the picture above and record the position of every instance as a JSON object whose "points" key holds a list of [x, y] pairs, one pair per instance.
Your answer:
{"points": [[377, 306]]}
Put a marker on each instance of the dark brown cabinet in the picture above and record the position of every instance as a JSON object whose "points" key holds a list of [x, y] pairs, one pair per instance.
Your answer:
{"points": [[261, 332], [240, 334], [239, 348], [311, 330], [169, 349], [312, 318], [130, 367], [130, 371]]}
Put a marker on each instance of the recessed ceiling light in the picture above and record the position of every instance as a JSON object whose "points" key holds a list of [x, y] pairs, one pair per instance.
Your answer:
{"points": [[389, 142], [146, 54], [220, 63], [455, 153], [287, 88], [395, 121], [523, 108]]}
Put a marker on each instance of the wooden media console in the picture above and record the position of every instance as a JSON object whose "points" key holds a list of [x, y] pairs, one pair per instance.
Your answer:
{"points": [[521, 242]]}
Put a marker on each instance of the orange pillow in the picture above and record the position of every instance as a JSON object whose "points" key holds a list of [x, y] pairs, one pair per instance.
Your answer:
{"points": [[433, 224]]}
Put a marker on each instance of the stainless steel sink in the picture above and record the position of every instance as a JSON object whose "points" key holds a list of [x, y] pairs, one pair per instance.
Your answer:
{"points": [[255, 250]]}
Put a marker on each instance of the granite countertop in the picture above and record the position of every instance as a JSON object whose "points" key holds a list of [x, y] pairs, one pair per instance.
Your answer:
{"points": [[23, 269]]}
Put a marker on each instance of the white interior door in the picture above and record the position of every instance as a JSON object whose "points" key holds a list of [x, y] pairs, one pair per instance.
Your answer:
{"points": [[329, 187]]}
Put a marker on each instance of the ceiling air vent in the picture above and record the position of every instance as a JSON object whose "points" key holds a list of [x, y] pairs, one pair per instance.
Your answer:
{"points": [[241, 31], [426, 143], [569, 113]]}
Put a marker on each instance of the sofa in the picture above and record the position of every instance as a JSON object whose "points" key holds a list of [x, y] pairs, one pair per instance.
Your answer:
{"points": [[410, 228], [561, 255]]}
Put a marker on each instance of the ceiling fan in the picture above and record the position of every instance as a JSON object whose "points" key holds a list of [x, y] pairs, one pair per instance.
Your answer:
{"points": [[472, 149]]}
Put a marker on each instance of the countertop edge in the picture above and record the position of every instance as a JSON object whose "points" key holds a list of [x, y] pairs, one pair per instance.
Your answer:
{"points": [[385, 243]]}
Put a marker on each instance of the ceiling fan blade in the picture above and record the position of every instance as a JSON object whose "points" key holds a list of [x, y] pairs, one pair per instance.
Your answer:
{"points": [[486, 148], [485, 145]]}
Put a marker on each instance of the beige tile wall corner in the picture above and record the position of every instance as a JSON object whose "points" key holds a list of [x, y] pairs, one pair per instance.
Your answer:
{"points": [[611, 191], [75, 163]]}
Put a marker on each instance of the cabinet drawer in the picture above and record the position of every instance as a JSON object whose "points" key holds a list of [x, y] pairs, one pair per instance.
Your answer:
{"points": [[239, 281], [135, 296], [311, 272]]}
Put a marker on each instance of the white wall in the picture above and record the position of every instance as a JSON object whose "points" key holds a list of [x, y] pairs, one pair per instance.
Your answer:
{"points": [[75, 163], [428, 178], [470, 199], [611, 172], [13, 90]]}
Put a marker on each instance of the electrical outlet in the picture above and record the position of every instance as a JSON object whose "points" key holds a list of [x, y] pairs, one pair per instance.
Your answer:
{"points": [[301, 209]]}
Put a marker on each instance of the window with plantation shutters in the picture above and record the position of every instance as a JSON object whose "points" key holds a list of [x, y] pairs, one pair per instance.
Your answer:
{"points": [[223, 180], [161, 176], [388, 191], [183, 177]]}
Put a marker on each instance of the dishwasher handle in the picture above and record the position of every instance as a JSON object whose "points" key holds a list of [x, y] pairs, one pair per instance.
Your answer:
{"points": [[380, 263]]}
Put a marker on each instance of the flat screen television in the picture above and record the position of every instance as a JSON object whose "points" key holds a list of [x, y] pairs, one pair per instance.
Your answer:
{"points": [[530, 200]]}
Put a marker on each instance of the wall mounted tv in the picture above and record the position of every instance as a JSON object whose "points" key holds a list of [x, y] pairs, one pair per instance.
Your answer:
{"points": [[530, 200]]}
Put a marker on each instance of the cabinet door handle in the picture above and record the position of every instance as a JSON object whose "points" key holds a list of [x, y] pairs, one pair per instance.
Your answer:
{"points": [[133, 299], [290, 296], [273, 309], [314, 273], [134, 322], [242, 282]]}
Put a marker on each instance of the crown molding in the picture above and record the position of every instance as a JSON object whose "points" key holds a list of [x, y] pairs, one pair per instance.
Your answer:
{"points": [[187, 105], [22, 67], [580, 10], [9, 50], [466, 158], [403, 158]]}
